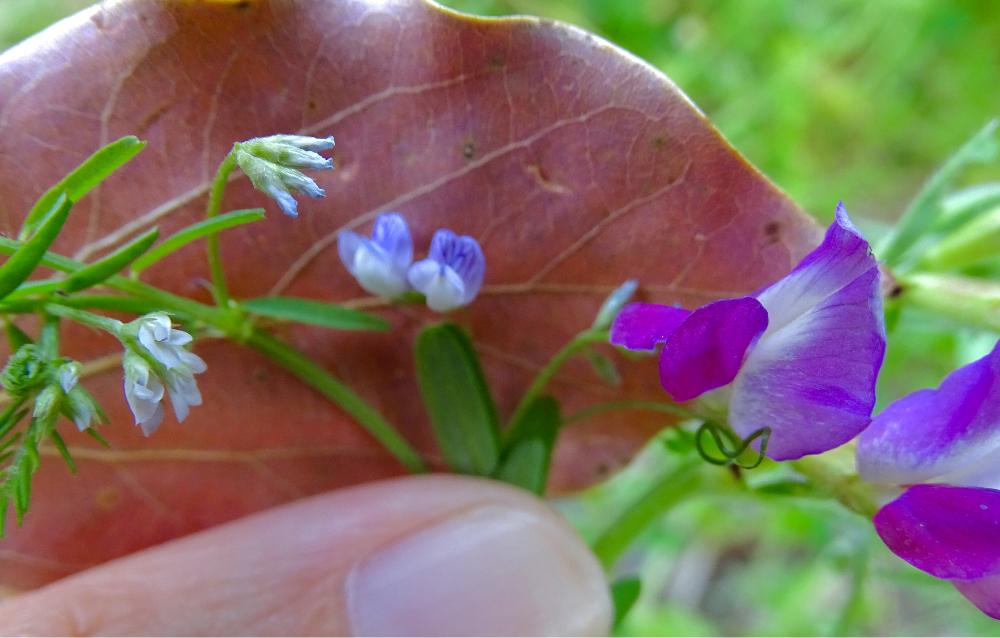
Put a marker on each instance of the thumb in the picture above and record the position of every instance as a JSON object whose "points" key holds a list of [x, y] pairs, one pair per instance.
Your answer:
{"points": [[431, 555]]}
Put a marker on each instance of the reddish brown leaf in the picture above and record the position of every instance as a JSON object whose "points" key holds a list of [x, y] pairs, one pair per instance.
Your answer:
{"points": [[576, 166]]}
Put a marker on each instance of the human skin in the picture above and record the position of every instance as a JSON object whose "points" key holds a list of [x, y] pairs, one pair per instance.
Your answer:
{"points": [[426, 555]]}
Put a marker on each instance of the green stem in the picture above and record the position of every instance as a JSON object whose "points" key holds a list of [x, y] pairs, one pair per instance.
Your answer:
{"points": [[841, 484], [578, 343], [666, 492], [329, 386], [220, 290], [612, 406], [970, 300], [86, 318]]}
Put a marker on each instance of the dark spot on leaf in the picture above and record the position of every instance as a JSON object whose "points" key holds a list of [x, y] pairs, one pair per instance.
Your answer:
{"points": [[772, 232], [659, 143], [602, 469], [895, 291], [261, 375], [242, 5], [311, 104], [469, 150], [497, 61], [107, 498]]}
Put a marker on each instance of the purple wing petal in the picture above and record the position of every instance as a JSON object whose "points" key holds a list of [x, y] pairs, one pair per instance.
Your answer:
{"points": [[392, 233], [643, 326], [812, 381], [949, 532], [843, 256], [983, 593], [949, 435], [706, 350], [463, 255]]}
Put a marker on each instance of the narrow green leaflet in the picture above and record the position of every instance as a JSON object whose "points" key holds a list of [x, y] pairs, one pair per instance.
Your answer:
{"points": [[57, 440], [194, 232], [317, 313], [976, 241], [457, 399], [94, 170], [604, 367], [15, 336], [922, 212], [967, 204], [624, 594], [95, 273], [529, 450], [23, 262]]}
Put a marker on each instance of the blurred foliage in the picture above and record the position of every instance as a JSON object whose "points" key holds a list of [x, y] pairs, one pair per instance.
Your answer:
{"points": [[839, 99]]}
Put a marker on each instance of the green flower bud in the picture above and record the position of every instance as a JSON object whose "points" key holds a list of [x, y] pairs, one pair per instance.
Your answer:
{"points": [[24, 370]]}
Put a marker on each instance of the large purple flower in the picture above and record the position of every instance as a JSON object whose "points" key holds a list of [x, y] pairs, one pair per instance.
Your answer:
{"points": [[800, 357], [944, 444]]}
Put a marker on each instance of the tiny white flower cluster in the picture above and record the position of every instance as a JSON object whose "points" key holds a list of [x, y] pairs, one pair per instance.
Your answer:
{"points": [[145, 385], [450, 276]]}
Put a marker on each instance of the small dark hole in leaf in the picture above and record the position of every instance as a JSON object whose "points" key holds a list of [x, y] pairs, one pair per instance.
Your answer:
{"points": [[659, 143], [311, 104], [497, 61], [242, 5], [469, 150]]}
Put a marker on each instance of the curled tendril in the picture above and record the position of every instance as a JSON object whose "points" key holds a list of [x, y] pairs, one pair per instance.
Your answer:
{"points": [[730, 446]]}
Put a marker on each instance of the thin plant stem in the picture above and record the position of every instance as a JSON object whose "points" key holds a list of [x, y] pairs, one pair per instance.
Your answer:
{"points": [[220, 289], [576, 345], [666, 492], [332, 388]]}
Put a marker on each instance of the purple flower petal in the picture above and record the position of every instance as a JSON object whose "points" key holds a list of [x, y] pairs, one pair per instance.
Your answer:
{"points": [[643, 326], [949, 532], [983, 593], [948, 435], [706, 350], [812, 380], [843, 256]]}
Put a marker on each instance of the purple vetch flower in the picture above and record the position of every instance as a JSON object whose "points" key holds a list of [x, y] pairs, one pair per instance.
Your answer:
{"points": [[379, 264], [800, 357], [942, 447], [452, 274]]}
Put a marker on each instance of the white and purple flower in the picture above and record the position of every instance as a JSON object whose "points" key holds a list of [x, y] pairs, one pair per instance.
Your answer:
{"points": [[799, 357], [145, 387], [379, 263], [452, 274], [942, 447], [274, 164]]}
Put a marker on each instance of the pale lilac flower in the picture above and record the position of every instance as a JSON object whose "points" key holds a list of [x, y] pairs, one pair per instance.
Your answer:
{"points": [[144, 388], [273, 165], [452, 274], [942, 448], [379, 263], [799, 357], [82, 408], [68, 375]]}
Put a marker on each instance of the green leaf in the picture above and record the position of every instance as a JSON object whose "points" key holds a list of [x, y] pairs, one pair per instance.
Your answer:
{"points": [[23, 262], [457, 399], [964, 205], [624, 594], [112, 264], [11, 415], [604, 367], [94, 170], [94, 434], [529, 449], [923, 211], [317, 313], [63, 450], [118, 303], [194, 232], [15, 336]]}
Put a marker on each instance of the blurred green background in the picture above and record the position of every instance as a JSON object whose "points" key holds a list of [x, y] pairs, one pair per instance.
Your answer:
{"points": [[835, 99]]}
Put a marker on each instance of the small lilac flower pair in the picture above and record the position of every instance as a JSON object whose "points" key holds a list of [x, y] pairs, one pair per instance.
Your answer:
{"points": [[450, 276]]}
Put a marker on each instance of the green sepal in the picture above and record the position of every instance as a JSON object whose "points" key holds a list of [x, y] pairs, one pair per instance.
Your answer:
{"points": [[24, 261], [604, 367], [194, 232], [316, 313], [15, 336], [624, 594], [97, 272], [57, 440], [528, 453], [457, 399], [94, 170]]}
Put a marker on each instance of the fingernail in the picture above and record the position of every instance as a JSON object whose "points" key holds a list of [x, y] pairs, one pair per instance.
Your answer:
{"points": [[493, 570]]}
